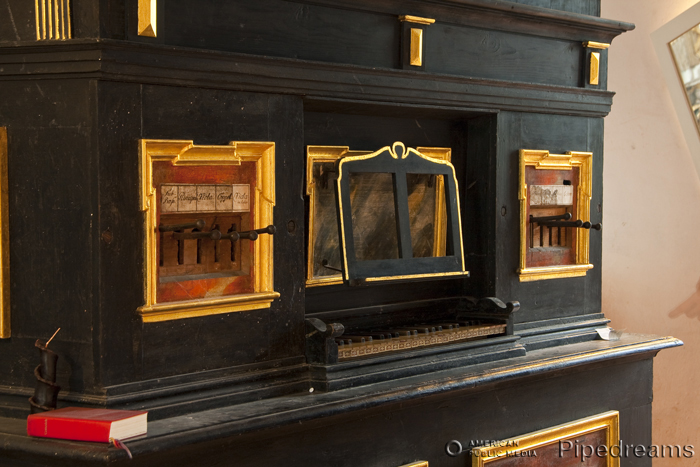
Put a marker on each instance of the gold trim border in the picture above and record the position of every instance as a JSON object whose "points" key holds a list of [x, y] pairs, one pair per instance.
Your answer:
{"points": [[191, 309], [554, 272], [417, 464], [610, 421], [186, 153], [319, 154], [543, 160], [5, 331]]}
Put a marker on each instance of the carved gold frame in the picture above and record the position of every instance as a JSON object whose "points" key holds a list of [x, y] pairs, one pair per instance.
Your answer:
{"points": [[608, 421], [543, 160], [320, 154], [181, 153], [4, 240]]}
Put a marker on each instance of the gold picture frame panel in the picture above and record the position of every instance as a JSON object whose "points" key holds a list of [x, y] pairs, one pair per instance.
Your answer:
{"points": [[331, 154], [543, 160], [182, 153], [517, 447]]}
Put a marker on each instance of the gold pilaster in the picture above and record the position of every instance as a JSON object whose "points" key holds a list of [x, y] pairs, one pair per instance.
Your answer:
{"points": [[52, 20], [416, 47], [594, 75], [147, 18], [594, 61]]}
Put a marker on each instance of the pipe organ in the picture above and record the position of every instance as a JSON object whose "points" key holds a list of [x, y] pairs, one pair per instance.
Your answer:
{"points": [[322, 232]]}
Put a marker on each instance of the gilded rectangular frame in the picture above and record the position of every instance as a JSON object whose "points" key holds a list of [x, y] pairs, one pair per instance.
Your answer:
{"points": [[320, 154], [543, 160], [609, 421], [186, 153], [4, 240]]}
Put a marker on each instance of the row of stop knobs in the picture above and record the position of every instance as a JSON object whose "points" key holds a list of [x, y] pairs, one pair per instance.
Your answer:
{"points": [[215, 234]]}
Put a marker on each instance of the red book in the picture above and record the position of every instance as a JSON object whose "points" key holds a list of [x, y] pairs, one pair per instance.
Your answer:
{"points": [[83, 424]]}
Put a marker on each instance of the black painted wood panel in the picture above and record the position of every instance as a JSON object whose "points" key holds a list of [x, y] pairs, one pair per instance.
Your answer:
{"points": [[17, 23], [484, 53], [287, 29], [480, 205], [120, 237], [52, 217]]}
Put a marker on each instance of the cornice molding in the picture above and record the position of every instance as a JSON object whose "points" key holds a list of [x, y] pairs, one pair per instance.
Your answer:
{"points": [[112, 60]]}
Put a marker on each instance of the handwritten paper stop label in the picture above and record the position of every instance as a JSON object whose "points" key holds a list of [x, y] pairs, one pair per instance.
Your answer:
{"points": [[204, 198], [551, 195]]}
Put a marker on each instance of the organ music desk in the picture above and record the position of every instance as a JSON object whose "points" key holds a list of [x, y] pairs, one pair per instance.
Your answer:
{"points": [[304, 232]]}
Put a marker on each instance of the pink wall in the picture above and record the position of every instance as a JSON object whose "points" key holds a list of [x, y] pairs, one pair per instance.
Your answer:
{"points": [[651, 233]]}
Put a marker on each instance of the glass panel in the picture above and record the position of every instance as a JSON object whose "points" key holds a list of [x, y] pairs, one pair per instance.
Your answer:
{"points": [[427, 213], [374, 216], [686, 54]]}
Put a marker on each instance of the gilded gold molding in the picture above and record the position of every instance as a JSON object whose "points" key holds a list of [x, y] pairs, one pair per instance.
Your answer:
{"points": [[543, 160], [179, 310], [185, 153], [417, 276], [147, 18], [317, 155], [416, 19], [52, 19], [594, 75], [320, 154], [596, 45], [608, 421], [417, 464], [4, 240], [553, 272], [416, 58]]}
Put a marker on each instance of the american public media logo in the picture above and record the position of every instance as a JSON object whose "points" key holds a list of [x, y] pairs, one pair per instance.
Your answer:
{"points": [[488, 448], [566, 449]]}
